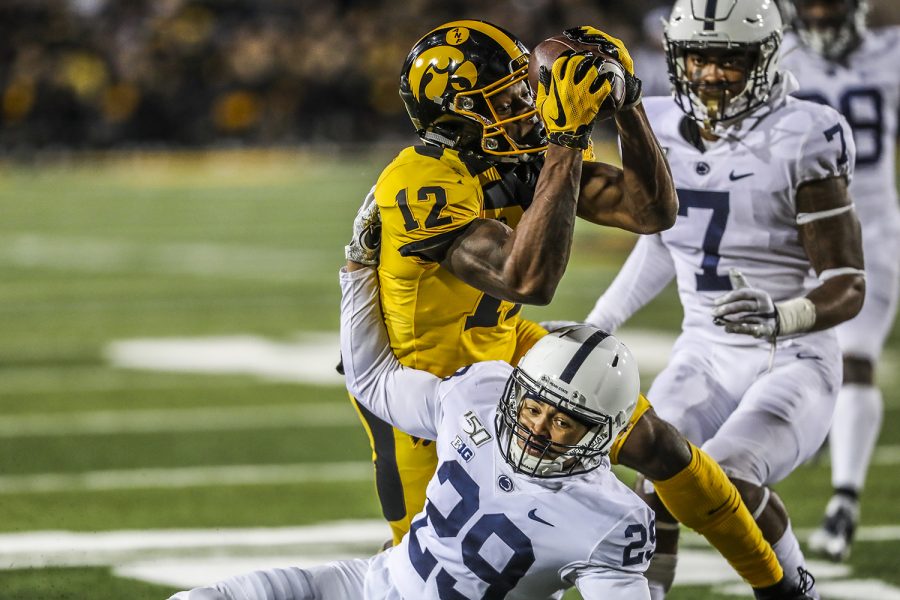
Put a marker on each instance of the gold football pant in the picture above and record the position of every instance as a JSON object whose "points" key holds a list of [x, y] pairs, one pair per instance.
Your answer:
{"points": [[403, 467]]}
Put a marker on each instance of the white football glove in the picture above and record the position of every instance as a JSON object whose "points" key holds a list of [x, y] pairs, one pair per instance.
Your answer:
{"points": [[746, 309], [365, 244]]}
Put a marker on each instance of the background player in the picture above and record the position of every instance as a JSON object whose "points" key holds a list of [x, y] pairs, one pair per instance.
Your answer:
{"points": [[841, 64], [497, 521], [480, 219], [762, 183]]}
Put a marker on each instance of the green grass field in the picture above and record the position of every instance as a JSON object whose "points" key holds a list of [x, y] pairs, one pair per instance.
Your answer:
{"points": [[114, 466]]}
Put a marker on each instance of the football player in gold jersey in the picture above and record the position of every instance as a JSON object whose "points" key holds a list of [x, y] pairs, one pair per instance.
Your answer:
{"points": [[480, 219]]}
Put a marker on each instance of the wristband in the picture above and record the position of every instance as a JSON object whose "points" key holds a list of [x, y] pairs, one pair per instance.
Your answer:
{"points": [[796, 315]]}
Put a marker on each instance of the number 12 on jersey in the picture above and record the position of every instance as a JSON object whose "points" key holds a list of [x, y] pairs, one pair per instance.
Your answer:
{"points": [[431, 193]]}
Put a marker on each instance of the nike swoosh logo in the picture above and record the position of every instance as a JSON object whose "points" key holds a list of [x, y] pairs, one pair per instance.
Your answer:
{"points": [[561, 119], [532, 514], [801, 356], [734, 177]]}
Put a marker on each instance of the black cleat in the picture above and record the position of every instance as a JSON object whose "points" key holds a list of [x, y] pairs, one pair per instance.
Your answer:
{"points": [[785, 590]]}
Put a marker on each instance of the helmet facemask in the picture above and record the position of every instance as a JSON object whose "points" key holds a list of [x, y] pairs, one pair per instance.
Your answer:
{"points": [[549, 459], [479, 106], [724, 106]]}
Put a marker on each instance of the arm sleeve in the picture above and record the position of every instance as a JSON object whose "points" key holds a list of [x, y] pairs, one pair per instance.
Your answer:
{"points": [[406, 398], [601, 585], [647, 271]]}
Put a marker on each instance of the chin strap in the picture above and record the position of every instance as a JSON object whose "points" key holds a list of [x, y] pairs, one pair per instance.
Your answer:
{"points": [[431, 136]]}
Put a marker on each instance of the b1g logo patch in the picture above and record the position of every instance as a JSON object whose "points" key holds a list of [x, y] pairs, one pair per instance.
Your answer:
{"points": [[464, 451]]}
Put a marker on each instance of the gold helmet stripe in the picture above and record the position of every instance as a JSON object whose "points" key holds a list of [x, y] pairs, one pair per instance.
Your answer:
{"points": [[492, 32]]}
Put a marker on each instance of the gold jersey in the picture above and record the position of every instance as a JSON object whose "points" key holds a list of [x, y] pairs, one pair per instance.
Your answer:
{"points": [[427, 196]]}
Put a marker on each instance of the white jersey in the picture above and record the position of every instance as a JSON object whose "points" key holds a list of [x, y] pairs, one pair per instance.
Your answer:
{"points": [[486, 531], [866, 90], [737, 204]]}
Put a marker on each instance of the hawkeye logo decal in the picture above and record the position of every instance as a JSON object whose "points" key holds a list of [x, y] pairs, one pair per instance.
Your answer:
{"points": [[477, 432], [439, 69]]}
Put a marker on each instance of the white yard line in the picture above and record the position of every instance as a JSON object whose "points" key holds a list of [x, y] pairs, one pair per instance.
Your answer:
{"points": [[186, 558], [230, 261], [230, 418], [310, 359], [60, 542], [186, 477]]}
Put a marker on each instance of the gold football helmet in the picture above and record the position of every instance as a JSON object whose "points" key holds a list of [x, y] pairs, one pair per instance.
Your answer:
{"points": [[465, 86]]}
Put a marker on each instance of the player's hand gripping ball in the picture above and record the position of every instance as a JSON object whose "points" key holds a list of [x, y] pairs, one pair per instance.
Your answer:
{"points": [[625, 88]]}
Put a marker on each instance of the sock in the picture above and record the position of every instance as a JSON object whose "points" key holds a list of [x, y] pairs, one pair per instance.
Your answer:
{"points": [[854, 431], [702, 497], [787, 549], [660, 575]]}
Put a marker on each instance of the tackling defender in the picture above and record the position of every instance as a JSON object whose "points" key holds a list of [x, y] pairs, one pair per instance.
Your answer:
{"points": [[841, 64], [762, 183], [523, 503]]}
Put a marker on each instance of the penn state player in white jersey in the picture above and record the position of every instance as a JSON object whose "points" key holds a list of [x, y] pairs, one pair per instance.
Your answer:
{"points": [[841, 64], [762, 185], [523, 503]]}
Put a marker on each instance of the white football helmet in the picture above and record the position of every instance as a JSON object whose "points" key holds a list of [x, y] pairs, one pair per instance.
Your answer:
{"points": [[831, 38], [753, 26], [581, 371]]}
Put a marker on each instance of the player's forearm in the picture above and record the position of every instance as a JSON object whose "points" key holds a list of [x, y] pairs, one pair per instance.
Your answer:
{"points": [[403, 397], [837, 300], [538, 250], [832, 237], [365, 347], [647, 183], [646, 272]]}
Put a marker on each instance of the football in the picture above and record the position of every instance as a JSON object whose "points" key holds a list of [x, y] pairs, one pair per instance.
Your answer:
{"points": [[545, 53]]}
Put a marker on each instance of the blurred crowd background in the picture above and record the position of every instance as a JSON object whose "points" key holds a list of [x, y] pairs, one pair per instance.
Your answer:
{"points": [[98, 74]]}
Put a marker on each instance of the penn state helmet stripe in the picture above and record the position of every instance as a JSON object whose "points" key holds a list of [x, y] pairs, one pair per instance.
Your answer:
{"points": [[709, 19], [581, 355]]}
